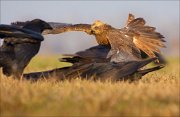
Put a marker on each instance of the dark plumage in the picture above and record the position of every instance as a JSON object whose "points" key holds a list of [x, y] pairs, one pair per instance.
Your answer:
{"points": [[93, 64], [20, 45], [118, 55], [99, 71]]}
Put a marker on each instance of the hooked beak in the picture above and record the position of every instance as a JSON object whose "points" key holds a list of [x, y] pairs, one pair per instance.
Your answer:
{"points": [[92, 32]]}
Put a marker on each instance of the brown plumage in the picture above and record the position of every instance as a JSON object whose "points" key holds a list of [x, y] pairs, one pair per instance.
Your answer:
{"points": [[129, 41], [135, 35], [117, 56], [144, 37]]}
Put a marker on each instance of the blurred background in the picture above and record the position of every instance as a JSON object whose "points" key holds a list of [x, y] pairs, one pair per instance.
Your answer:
{"points": [[164, 15]]}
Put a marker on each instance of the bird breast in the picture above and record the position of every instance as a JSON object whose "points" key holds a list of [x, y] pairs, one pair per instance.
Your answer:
{"points": [[102, 39]]}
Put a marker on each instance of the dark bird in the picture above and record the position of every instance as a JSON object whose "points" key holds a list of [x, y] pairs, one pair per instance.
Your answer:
{"points": [[102, 71], [20, 45], [118, 54]]}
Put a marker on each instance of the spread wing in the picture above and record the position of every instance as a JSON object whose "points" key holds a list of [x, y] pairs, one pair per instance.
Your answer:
{"points": [[8, 31], [130, 18], [60, 27], [144, 37], [52, 24], [71, 27], [122, 47]]}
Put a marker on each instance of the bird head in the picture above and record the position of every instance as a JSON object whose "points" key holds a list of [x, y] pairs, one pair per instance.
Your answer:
{"points": [[37, 25], [98, 27]]}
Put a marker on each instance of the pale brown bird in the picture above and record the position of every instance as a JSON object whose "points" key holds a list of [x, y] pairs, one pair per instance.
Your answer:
{"points": [[118, 54], [127, 43], [131, 41]]}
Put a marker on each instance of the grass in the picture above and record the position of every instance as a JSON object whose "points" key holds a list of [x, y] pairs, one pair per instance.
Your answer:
{"points": [[157, 94]]}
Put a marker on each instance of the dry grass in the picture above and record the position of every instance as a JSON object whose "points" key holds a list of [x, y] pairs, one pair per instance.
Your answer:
{"points": [[157, 94]]}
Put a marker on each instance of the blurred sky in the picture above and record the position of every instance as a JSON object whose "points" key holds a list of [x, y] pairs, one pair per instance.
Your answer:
{"points": [[164, 15]]}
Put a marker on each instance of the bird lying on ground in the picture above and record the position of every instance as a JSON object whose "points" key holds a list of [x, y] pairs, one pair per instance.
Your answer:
{"points": [[102, 71]]}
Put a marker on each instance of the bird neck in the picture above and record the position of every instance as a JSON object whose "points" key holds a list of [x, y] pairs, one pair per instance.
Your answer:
{"points": [[102, 39]]}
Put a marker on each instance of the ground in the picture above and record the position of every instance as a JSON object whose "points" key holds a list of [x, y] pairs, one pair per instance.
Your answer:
{"points": [[157, 94]]}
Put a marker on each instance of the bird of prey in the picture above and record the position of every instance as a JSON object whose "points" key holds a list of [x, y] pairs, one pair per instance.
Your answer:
{"points": [[125, 43], [20, 45], [134, 41], [118, 54]]}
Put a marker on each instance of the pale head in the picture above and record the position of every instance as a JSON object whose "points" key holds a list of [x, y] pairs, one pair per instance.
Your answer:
{"points": [[98, 27]]}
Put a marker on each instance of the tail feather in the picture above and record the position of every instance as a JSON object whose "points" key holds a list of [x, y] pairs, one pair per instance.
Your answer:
{"points": [[70, 60], [154, 47], [145, 71], [152, 35], [146, 29], [143, 47], [142, 63], [154, 41], [130, 18], [145, 37], [132, 67]]}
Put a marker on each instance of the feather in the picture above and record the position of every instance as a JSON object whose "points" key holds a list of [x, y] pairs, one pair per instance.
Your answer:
{"points": [[130, 18], [137, 22], [144, 37]]}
